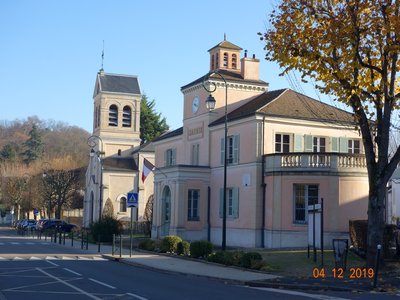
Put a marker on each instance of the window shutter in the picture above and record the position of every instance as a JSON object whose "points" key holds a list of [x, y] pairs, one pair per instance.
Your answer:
{"points": [[334, 144], [343, 145], [221, 202], [235, 203], [308, 143], [222, 151], [166, 158], [298, 143], [236, 146], [173, 157]]}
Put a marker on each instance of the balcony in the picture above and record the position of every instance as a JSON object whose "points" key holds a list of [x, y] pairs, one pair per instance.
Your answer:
{"points": [[305, 162]]}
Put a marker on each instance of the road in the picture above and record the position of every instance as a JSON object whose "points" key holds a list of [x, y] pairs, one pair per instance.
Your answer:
{"points": [[35, 269]]}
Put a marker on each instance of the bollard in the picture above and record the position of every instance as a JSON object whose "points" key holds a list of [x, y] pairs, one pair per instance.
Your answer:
{"points": [[64, 238], [99, 242], [59, 237], [87, 240], [378, 252], [72, 239], [113, 245], [120, 245], [82, 240]]}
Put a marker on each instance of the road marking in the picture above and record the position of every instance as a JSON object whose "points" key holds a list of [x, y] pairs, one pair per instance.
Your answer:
{"points": [[18, 258], [314, 296], [73, 272], [51, 258], [35, 258], [68, 284], [102, 283], [136, 296], [15, 243], [50, 262], [68, 258]]}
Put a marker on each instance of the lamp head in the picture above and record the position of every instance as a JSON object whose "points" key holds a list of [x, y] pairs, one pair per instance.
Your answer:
{"points": [[92, 153], [210, 102]]}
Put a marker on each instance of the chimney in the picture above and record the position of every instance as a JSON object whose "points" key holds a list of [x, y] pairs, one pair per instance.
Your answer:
{"points": [[250, 67]]}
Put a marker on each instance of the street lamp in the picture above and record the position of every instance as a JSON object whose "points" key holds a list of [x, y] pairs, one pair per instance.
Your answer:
{"points": [[94, 141], [210, 104], [28, 181], [45, 176]]}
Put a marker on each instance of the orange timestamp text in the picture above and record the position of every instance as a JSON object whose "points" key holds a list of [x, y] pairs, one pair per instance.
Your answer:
{"points": [[338, 273]]}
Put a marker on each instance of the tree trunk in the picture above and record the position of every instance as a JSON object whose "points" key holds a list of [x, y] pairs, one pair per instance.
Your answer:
{"points": [[376, 221], [58, 212]]}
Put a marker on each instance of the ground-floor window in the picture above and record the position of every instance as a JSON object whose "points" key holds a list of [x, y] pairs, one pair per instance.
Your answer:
{"points": [[122, 204], [193, 205], [232, 203], [304, 195]]}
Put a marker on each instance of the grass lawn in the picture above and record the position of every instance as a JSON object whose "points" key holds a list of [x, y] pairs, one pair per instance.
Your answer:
{"points": [[296, 263]]}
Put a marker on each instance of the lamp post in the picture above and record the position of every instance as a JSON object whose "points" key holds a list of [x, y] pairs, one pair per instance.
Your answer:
{"points": [[28, 181], [210, 104], [45, 175], [94, 141]]}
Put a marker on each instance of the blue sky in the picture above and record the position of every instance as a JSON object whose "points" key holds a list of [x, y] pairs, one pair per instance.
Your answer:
{"points": [[51, 51]]}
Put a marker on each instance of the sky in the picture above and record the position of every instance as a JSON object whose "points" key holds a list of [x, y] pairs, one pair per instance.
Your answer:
{"points": [[50, 51]]}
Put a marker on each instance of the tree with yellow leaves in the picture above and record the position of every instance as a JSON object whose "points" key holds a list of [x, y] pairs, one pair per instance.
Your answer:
{"points": [[351, 48]]}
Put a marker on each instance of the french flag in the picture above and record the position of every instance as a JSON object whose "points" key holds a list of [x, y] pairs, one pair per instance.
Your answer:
{"points": [[147, 168]]}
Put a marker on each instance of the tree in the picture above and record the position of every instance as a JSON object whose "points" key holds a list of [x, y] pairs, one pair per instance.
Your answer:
{"points": [[351, 48], [151, 123], [34, 145]]}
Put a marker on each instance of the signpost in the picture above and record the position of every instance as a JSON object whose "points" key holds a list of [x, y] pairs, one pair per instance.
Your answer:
{"points": [[132, 202]]}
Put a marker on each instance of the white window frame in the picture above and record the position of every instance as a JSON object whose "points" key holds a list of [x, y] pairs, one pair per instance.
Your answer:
{"points": [[281, 144], [305, 188], [195, 150], [352, 149]]}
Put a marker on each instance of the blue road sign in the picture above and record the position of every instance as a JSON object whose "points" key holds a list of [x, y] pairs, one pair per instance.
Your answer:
{"points": [[132, 200]]}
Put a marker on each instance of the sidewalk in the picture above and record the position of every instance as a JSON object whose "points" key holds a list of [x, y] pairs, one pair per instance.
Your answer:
{"points": [[186, 266]]}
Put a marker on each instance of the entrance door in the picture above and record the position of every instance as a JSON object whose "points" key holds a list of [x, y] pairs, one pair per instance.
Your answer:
{"points": [[166, 211]]}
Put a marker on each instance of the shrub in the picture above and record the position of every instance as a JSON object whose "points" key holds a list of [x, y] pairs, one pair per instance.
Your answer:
{"points": [[248, 259], [200, 249], [103, 230], [170, 243], [147, 244], [183, 248]]}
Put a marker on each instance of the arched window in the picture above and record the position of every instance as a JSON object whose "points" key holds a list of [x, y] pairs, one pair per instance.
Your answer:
{"points": [[95, 118], [113, 116], [234, 61], [217, 61], [98, 116], [212, 62], [225, 60], [122, 204], [126, 117]]}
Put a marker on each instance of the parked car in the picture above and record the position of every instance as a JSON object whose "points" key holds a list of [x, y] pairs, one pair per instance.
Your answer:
{"points": [[65, 227], [30, 225], [47, 224]]}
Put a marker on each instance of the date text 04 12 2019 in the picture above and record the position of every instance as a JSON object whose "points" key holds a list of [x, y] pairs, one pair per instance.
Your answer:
{"points": [[338, 273]]}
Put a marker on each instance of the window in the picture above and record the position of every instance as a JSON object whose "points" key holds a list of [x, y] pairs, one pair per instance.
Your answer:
{"points": [[233, 146], [126, 117], [217, 61], [234, 61], [113, 116], [98, 116], [232, 203], [170, 157], [212, 62], [195, 155], [225, 60], [282, 143], [95, 118], [319, 144], [193, 205], [122, 204], [354, 146], [304, 195]]}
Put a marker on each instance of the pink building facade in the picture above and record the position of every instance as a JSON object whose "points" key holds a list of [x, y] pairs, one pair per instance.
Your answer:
{"points": [[285, 151]]}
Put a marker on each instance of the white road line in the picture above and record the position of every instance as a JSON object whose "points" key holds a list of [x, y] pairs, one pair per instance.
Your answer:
{"points": [[35, 258], [50, 262], [313, 296], [68, 284], [102, 283], [136, 296], [73, 272]]}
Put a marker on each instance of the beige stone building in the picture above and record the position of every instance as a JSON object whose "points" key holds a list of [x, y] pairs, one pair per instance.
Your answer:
{"points": [[116, 155]]}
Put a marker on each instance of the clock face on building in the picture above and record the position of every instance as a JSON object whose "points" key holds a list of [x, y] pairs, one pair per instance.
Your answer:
{"points": [[195, 104]]}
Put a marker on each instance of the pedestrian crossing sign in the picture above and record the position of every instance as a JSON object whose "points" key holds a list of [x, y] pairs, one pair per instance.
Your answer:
{"points": [[132, 200]]}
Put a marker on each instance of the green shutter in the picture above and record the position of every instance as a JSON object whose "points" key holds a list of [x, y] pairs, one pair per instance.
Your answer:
{"points": [[221, 197], [343, 145], [334, 144], [298, 143], [222, 151], [236, 147], [235, 203], [308, 143]]}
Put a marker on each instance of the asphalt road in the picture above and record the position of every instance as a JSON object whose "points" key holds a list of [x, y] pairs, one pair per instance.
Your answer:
{"points": [[35, 269]]}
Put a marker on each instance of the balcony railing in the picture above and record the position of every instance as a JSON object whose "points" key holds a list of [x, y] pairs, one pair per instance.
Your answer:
{"points": [[315, 162]]}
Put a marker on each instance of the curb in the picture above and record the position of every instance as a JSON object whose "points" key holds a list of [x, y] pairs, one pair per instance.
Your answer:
{"points": [[307, 287]]}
